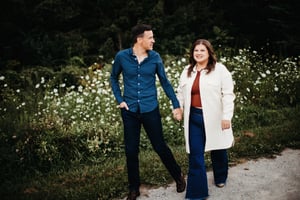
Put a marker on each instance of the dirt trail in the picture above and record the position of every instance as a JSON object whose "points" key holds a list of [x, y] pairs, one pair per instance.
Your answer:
{"points": [[265, 179]]}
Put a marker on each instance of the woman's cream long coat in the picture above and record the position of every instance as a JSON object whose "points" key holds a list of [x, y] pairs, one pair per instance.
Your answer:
{"points": [[217, 97]]}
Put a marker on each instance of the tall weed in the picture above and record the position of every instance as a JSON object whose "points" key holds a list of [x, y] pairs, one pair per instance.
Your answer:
{"points": [[50, 119]]}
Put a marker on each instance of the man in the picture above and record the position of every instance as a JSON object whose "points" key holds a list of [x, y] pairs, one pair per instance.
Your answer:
{"points": [[139, 66]]}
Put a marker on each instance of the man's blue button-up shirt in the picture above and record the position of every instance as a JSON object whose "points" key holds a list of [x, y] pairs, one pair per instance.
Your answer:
{"points": [[140, 92]]}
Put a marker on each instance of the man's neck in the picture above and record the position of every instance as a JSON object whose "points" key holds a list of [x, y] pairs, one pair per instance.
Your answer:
{"points": [[139, 52]]}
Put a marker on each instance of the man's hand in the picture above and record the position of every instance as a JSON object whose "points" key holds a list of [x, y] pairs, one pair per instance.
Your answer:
{"points": [[123, 105], [177, 114]]}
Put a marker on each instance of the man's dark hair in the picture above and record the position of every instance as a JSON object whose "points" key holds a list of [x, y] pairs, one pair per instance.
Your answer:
{"points": [[138, 31]]}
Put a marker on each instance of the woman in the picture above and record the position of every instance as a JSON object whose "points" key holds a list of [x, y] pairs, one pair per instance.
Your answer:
{"points": [[205, 93]]}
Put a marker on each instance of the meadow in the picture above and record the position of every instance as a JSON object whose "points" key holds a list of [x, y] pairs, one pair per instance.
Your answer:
{"points": [[61, 132]]}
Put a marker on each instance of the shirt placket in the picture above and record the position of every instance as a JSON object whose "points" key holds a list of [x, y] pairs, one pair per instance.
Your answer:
{"points": [[138, 82]]}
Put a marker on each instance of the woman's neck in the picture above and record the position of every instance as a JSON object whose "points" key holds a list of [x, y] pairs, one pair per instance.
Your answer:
{"points": [[200, 66]]}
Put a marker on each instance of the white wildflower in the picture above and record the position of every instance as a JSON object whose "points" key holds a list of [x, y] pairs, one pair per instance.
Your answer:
{"points": [[168, 118], [79, 100], [80, 88]]}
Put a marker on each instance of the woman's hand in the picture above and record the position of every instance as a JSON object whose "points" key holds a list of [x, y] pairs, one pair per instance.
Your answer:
{"points": [[226, 124]]}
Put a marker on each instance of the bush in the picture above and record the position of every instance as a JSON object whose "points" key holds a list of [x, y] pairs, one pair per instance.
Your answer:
{"points": [[51, 119]]}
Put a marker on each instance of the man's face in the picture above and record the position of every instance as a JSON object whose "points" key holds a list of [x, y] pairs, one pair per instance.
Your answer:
{"points": [[147, 40]]}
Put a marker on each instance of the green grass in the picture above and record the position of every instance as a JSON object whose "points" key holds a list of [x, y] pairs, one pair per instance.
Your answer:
{"points": [[108, 180], [61, 132]]}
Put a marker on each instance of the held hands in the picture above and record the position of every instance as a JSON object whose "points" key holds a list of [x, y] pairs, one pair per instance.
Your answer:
{"points": [[177, 114], [225, 124]]}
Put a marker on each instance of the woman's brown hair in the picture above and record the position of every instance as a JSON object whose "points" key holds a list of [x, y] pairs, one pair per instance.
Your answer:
{"points": [[212, 59]]}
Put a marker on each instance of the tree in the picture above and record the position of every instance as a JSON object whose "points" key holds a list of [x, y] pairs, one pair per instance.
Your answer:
{"points": [[52, 32]]}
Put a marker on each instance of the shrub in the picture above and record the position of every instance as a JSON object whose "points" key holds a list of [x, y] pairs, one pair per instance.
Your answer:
{"points": [[50, 119]]}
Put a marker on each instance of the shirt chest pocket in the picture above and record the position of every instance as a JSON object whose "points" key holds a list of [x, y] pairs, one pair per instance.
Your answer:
{"points": [[213, 83], [210, 84]]}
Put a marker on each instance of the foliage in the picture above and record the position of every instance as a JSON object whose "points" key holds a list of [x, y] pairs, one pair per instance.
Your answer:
{"points": [[265, 81], [51, 120], [53, 32], [107, 180], [63, 123]]}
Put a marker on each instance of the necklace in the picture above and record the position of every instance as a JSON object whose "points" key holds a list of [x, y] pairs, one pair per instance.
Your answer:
{"points": [[199, 68]]}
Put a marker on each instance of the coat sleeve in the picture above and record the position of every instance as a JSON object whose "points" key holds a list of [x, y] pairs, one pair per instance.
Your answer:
{"points": [[228, 95], [179, 90]]}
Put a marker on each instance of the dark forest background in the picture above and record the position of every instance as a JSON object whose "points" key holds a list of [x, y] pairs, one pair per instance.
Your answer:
{"points": [[57, 32]]}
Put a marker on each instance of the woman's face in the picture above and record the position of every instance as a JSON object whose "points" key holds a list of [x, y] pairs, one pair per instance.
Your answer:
{"points": [[201, 53]]}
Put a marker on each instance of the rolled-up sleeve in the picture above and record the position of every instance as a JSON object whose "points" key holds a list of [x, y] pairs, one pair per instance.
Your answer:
{"points": [[166, 85], [114, 78]]}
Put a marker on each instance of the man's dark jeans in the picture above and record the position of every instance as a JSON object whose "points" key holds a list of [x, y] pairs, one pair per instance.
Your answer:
{"points": [[151, 121]]}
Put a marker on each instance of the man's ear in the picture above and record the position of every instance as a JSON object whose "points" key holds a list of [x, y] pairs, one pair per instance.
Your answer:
{"points": [[139, 39]]}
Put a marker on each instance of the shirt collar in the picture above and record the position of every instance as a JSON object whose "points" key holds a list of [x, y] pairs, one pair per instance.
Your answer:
{"points": [[195, 69], [150, 52], [131, 51]]}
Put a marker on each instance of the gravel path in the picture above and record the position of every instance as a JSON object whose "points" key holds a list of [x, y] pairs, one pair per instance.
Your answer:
{"points": [[265, 179]]}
